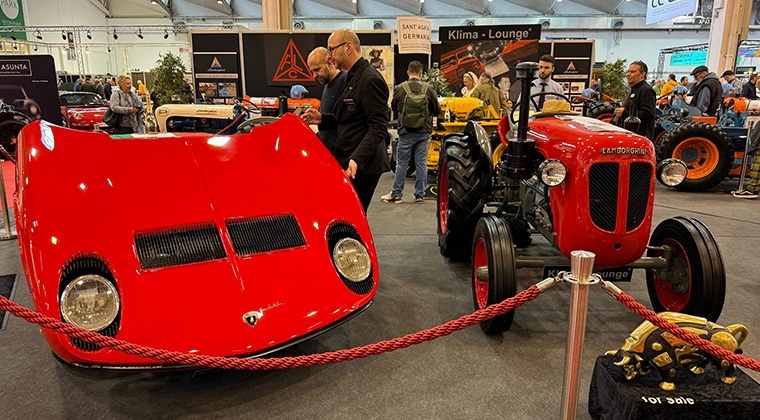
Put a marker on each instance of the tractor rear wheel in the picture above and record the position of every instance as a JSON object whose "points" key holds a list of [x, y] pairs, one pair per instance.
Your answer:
{"points": [[695, 284], [494, 273], [462, 179], [706, 150], [602, 112]]}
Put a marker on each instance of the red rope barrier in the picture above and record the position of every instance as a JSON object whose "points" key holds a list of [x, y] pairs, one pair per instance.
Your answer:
{"points": [[687, 336], [173, 357]]}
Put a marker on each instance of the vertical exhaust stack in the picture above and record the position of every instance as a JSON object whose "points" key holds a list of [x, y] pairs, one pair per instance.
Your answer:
{"points": [[520, 150]]}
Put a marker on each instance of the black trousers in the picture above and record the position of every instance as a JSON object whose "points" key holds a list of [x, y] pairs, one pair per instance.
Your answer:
{"points": [[123, 130], [365, 187]]}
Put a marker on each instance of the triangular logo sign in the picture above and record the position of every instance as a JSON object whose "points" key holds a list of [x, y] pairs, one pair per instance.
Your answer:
{"points": [[571, 67], [215, 65], [292, 67]]}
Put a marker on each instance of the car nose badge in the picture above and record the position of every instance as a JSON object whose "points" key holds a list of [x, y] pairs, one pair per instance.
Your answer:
{"points": [[252, 317]]}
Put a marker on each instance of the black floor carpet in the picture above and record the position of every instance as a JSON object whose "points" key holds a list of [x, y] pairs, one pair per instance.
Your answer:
{"points": [[7, 286]]}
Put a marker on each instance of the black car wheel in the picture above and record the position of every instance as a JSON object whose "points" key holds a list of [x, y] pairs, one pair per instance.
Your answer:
{"points": [[462, 178], [706, 150], [9, 130], [494, 274], [696, 281]]}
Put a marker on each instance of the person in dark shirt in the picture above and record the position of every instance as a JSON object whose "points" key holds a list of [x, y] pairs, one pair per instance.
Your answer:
{"points": [[748, 90], [334, 80], [708, 94], [640, 102], [361, 116]]}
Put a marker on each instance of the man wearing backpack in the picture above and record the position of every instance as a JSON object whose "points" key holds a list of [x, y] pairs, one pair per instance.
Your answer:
{"points": [[415, 103]]}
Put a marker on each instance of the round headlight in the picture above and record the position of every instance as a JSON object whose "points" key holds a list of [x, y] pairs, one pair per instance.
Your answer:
{"points": [[77, 115], [671, 172], [552, 172], [90, 302], [352, 259]]}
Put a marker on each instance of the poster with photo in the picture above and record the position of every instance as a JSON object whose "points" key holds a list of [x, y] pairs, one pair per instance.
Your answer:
{"points": [[381, 58], [566, 87], [227, 89], [207, 89], [576, 88]]}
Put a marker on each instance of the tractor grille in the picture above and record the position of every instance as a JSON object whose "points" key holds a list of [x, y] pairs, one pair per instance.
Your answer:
{"points": [[179, 245], [603, 193], [639, 185], [264, 234]]}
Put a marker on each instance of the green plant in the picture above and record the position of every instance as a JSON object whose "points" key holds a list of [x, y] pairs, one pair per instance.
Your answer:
{"points": [[613, 79], [435, 78], [169, 79]]}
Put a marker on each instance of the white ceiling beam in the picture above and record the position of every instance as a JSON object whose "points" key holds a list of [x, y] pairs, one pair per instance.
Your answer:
{"points": [[542, 6], [227, 4], [103, 8], [477, 6], [164, 4]]}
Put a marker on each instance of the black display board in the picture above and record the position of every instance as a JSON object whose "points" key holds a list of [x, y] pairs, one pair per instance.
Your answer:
{"points": [[495, 49], [29, 83], [216, 66], [573, 63], [401, 61]]}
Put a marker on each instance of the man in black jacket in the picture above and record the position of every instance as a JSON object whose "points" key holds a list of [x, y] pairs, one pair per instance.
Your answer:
{"points": [[361, 116], [748, 90], [709, 93], [641, 100], [414, 131]]}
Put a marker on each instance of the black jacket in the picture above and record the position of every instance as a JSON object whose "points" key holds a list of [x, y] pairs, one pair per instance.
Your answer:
{"points": [[748, 91], [708, 95], [642, 98], [397, 105], [361, 116]]}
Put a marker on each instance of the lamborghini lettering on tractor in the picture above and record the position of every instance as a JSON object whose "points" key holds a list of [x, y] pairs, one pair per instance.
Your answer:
{"points": [[581, 183]]}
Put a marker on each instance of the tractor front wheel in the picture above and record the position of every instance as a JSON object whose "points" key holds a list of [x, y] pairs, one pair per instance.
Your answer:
{"points": [[494, 273], [462, 179], [602, 112], [706, 150], [695, 282]]}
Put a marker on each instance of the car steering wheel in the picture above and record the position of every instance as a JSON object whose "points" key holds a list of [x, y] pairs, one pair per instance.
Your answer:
{"points": [[516, 106]]}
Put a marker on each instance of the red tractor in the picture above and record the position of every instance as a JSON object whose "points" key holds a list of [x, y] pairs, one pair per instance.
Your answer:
{"points": [[582, 184]]}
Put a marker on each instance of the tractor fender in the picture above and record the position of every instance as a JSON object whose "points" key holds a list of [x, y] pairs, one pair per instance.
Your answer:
{"points": [[477, 132]]}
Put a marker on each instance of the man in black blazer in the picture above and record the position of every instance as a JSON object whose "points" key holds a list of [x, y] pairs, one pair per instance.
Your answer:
{"points": [[361, 116]]}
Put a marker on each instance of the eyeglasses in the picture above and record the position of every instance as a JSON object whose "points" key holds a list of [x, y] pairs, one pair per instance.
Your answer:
{"points": [[331, 49]]}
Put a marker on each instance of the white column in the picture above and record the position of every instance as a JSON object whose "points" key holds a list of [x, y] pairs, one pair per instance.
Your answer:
{"points": [[730, 24], [277, 14]]}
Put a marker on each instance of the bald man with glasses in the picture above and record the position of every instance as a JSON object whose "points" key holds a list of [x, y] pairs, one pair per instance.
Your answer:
{"points": [[361, 116]]}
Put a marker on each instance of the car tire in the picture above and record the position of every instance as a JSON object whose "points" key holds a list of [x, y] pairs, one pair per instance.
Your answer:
{"points": [[9, 130], [492, 249], [701, 290], [462, 179], [602, 112], [706, 150]]}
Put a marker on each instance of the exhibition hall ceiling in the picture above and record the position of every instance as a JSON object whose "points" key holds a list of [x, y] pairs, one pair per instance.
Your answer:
{"points": [[178, 9]]}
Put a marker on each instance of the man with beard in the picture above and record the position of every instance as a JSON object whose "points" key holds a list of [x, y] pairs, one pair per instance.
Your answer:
{"points": [[334, 80], [544, 83], [361, 116], [641, 100]]}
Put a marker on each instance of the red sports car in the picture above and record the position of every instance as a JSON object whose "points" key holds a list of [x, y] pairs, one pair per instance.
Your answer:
{"points": [[190, 242], [83, 110]]}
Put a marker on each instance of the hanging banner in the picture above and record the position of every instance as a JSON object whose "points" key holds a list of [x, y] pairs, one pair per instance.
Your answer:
{"points": [[413, 35], [659, 10], [12, 14], [689, 58]]}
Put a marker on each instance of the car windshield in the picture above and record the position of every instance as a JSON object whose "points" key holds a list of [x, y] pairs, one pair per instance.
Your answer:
{"points": [[81, 99]]}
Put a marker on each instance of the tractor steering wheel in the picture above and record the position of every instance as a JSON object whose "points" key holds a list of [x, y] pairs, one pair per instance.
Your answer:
{"points": [[247, 125], [241, 100], [516, 106]]}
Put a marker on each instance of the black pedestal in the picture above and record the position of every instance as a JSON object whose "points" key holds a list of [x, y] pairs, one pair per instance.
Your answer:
{"points": [[696, 397]]}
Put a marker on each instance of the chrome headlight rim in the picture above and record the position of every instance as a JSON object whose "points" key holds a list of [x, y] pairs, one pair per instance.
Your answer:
{"points": [[102, 280], [335, 257], [668, 164], [549, 165]]}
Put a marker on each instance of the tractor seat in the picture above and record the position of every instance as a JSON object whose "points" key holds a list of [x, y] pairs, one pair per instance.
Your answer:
{"points": [[555, 107]]}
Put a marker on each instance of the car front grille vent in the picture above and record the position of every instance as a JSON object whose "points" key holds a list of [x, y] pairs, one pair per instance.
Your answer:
{"points": [[179, 245], [603, 195], [639, 184], [264, 234]]}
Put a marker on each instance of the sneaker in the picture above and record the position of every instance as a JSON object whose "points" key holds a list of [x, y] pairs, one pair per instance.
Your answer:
{"points": [[419, 200], [391, 198], [745, 194]]}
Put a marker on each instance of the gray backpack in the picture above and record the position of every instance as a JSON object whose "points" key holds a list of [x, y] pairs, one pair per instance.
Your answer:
{"points": [[415, 112]]}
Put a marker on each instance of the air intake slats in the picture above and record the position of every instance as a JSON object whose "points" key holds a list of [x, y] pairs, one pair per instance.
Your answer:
{"points": [[264, 234], [179, 245], [639, 185], [603, 195]]}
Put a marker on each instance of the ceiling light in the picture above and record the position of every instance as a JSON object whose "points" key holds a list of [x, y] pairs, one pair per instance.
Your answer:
{"points": [[15, 46], [87, 50], [166, 34], [353, 1], [13, 37], [139, 33], [35, 48], [89, 35], [63, 35], [109, 49], [219, 1], [37, 34], [114, 34], [153, 2]]}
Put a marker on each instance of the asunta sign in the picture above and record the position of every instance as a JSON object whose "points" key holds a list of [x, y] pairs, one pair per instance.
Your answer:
{"points": [[485, 33], [12, 14]]}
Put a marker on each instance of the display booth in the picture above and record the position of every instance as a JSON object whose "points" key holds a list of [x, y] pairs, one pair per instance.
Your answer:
{"points": [[29, 84]]}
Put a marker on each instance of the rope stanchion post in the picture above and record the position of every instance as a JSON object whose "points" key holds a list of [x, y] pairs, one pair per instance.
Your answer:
{"points": [[581, 266], [743, 173], [8, 233]]}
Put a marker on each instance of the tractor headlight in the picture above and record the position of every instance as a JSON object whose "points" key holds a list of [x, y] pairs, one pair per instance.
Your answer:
{"points": [[552, 172], [352, 259], [90, 302], [671, 172], [77, 115]]}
